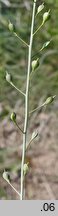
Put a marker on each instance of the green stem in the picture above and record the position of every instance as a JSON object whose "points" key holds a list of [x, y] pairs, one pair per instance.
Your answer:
{"points": [[20, 39], [38, 29], [17, 89], [37, 108], [19, 127], [27, 103], [13, 188]]}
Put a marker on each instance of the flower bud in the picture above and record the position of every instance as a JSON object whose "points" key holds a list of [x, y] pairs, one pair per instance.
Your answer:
{"points": [[13, 116], [40, 8], [10, 26], [46, 16], [6, 176], [8, 77], [35, 64], [49, 100], [25, 168]]}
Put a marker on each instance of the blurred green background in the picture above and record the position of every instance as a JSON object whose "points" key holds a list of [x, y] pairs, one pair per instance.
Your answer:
{"points": [[14, 54]]}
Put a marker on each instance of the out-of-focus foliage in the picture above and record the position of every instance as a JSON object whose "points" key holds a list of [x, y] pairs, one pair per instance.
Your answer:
{"points": [[14, 54]]}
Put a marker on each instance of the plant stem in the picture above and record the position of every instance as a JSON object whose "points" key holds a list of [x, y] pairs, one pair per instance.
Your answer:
{"points": [[17, 88], [13, 188], [38, 29], [27, 103], [37, 108], [21, 39], [18, 127]]}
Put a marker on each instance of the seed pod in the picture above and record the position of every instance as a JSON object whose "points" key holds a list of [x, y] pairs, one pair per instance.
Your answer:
{"points": [[35, 64], [34, 134], [49, 100], [40, 8], [46, 16], [8, 77], [10, 26], [13, 116], [45, 45], [6, 176], [25, 169]]}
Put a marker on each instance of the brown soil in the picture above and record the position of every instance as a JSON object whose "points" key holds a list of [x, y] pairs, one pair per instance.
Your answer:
{"points": [[42, 179]]}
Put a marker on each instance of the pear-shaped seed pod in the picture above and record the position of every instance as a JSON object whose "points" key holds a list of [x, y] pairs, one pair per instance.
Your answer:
{"points": [[46, 16], [35, 64], [25, 168], [45, 45], [10, 26], [13, 116], [40, 8], [6, 176], [8, 77], [34, 134], [49, 100]]}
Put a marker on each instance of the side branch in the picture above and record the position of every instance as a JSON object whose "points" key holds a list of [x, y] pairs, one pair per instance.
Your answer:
{"points": [[6, 178], [17, 89], [48, 101], [11, 28], [16, 35], [9, 80]]}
